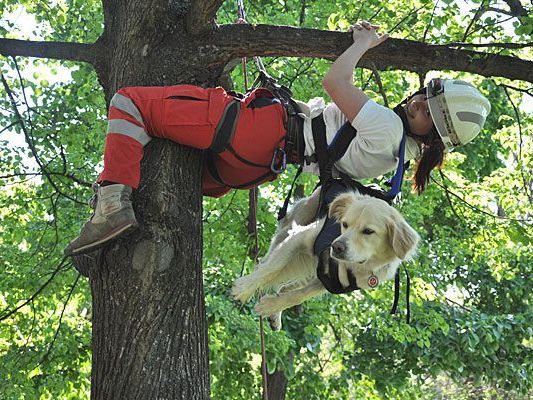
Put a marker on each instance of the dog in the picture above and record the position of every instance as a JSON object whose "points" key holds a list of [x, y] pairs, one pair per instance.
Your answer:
{"points": [[374, 239]]}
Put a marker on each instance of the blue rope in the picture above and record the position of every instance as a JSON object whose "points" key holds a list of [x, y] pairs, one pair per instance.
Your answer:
{"points": [[396, 181]]}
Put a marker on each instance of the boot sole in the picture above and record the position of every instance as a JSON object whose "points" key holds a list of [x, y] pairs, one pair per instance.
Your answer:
{"points": [[100, 243]]}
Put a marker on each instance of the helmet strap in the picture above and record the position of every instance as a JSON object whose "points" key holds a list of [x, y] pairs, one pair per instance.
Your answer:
{"points": [[400, 111]]}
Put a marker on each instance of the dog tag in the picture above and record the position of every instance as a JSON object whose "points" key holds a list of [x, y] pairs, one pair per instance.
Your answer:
{"points": [[373, 281]]}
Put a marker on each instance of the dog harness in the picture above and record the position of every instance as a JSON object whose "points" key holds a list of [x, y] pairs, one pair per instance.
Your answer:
{"points": [[326, 156], [328, 267]]}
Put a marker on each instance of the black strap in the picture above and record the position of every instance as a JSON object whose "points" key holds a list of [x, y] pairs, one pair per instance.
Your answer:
{"points": [[294, 140], [331, 280], [282, 92], [318, 127], [244, 160], [209, 160], [397, 294], [340, 142], [327, 156], [213, 172], [283, 210], [226, 127]]}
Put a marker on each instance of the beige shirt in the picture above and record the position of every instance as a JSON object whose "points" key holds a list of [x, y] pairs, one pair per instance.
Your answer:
{"points": [[374, 151]]}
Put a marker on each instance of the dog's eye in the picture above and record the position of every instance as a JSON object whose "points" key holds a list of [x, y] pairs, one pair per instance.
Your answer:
{"points": [[368, 231], [345, 225]]}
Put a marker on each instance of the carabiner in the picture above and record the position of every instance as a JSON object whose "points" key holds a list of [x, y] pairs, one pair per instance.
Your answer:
{"points": [[273, 164]]}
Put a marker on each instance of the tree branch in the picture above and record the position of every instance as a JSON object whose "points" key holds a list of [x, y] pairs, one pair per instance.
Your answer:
{"points": [[56, 334], [29, 136], [7, 313], [90, 53], [474, 208], [240, 40], [517, 9], [479, 12], [66, 175], [501, 45], [520, 145], [201, 16], [377, 78], [529, 91], [267, 40]]}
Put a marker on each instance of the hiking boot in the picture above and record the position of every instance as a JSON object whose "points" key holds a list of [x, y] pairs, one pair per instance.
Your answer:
{"points": [[113, 215]]}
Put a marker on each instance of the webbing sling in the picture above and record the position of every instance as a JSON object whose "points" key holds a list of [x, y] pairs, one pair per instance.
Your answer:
{"points": [[327, 156], [226, 127], [222, 142]]}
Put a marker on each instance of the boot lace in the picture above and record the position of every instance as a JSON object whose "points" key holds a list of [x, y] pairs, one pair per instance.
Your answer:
{"points": [[94, 197]]}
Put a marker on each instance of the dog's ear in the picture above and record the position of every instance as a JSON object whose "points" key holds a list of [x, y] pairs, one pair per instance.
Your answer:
{"points": [[403, 238], [338, 207]]}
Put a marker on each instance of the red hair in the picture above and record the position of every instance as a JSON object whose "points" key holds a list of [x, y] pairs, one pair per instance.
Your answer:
{"points": [[432, 157]]}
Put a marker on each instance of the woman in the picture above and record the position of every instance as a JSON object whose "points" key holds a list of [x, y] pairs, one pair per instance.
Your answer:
{"points": [[247, 137]]}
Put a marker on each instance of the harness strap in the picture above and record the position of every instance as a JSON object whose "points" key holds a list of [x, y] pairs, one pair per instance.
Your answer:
{"points": [[340, 142], [226, 127], [397, 179], [326, 156], [213, 172], [328, 274], [294, 140], [318, 127], [397, 294], [283, 210]]}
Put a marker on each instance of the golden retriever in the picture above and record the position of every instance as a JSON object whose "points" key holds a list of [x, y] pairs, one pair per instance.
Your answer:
{"points": [[374, 239]]}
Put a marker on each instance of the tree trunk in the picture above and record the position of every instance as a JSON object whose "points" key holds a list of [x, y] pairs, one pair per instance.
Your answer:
{"points": [[277, 385], [278, 382], [149, 325]]}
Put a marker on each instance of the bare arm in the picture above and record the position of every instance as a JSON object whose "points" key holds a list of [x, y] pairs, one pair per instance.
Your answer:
{"points": [[338, 82]]}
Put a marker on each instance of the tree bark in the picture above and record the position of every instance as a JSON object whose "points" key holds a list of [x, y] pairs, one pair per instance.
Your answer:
{"points": [[149, 324], [228, 42], [277, 386]]}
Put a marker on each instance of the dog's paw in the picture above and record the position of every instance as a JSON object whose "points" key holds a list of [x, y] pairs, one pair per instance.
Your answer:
{"points": [[274, 321], [242, 289], [269, 305]]}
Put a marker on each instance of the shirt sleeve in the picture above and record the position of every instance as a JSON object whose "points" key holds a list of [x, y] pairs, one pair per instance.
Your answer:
{"points": [[377, 126]]}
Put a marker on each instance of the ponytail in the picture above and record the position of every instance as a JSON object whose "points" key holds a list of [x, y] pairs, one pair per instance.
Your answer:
{"points": [[432, 148], [432, 156]]}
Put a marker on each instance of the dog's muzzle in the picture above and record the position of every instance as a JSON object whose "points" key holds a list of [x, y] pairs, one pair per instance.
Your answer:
{"points": [[338, 249]]}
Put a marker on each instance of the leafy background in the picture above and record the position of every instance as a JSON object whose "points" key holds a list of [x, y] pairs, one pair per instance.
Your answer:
{"points": [[471, 331]]}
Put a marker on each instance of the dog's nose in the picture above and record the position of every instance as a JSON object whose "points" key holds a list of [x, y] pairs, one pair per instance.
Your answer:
{"points": [[338, 248]]}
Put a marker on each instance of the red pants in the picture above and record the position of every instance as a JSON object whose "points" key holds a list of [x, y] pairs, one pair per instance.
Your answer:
{"points": [[189, 115]]}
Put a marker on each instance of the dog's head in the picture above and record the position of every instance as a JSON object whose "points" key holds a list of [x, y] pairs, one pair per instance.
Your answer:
{"points": [[371, 231]]}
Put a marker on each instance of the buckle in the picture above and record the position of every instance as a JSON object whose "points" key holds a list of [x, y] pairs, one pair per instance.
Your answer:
{"points": [[277, 153], [437, 87]]}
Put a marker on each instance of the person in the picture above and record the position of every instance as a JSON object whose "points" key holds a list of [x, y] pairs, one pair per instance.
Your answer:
{"points": [[247, 138]]}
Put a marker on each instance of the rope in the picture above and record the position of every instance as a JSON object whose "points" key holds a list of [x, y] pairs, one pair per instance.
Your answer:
{"points": [[252, 205], [263, 359]]}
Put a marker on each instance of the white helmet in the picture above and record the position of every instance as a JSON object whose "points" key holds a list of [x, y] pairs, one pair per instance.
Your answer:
{"points": [[458, 110]]}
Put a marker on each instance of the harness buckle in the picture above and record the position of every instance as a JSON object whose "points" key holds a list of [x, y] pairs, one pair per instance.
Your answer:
{"points": [[278, 153]]}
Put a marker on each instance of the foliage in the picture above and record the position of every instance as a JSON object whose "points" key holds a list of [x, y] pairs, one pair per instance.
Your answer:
{"points": [[471, 329]]}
